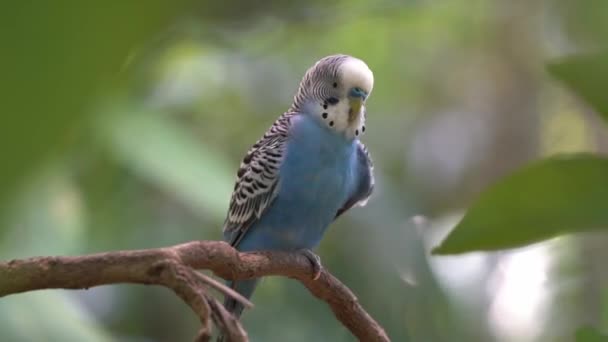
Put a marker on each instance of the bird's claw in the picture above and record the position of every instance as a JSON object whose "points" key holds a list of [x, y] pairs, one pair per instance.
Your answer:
{"points": [[315, 261]]}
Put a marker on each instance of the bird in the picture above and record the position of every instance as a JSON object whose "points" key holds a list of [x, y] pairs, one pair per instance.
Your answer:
{"points": [[308, 168]]}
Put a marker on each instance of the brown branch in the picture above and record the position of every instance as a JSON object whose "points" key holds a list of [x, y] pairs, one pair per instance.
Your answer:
{"points": [[174, 267]]}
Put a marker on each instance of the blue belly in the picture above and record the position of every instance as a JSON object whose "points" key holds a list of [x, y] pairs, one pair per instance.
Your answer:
{"points": [[315, 178]]}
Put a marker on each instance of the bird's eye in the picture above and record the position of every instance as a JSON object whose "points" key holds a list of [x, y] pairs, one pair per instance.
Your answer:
{"points": [[335, 84]]}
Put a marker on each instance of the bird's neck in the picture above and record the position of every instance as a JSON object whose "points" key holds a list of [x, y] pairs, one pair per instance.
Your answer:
{"points": [[309, 130], [334, 119]]}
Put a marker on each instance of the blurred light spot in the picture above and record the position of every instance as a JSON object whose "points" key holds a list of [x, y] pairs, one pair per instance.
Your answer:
{"points": [[408, 278], [461, 273], [565, 131], [190, 73], [66, 207], [515, 288], [519, 294], [421, 222]]}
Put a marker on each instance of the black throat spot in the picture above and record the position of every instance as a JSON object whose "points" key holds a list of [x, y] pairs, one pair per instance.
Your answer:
{"points": [[332, 101]]}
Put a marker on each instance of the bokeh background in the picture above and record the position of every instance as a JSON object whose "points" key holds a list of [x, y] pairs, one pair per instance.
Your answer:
{"points": [[123, 124]]}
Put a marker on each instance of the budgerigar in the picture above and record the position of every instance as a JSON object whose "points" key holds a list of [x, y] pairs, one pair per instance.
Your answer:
{"points": [[307, 169]]}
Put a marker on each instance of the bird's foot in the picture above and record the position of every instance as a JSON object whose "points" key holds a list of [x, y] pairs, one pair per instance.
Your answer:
{"points": [[315, 260]]}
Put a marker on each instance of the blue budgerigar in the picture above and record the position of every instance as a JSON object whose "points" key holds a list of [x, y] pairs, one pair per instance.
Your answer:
{"points": [[307, 169]]}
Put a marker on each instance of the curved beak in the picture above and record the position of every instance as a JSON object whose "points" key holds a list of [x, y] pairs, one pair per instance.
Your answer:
{"points": [[355, 108], [356, 98]]}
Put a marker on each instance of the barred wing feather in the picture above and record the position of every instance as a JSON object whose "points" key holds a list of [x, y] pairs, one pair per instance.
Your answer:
{"points": [[257, 180]]}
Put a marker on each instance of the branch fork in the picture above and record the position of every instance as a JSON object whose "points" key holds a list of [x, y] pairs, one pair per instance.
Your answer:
{"points": [[175, 267]]}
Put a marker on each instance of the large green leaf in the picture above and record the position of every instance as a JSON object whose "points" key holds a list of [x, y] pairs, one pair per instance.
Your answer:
{"points": [[565, 194], [587, 76]]}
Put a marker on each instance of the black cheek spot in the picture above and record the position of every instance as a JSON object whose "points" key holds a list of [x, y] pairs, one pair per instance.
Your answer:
{"points": [[331, 123], [363, 129], [325, 106], [324, 115], [333, 100], [356, 132], [335, 85]]}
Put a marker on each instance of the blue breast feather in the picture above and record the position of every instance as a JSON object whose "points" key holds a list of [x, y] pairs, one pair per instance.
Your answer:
{"points": [[316, 177]]}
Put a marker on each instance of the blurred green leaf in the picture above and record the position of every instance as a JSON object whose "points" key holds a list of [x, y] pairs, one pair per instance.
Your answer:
{"points": [[589, 334], [55, 57], [47, 217], [587, 76], [48, 316], [159, 150], [583, 21], [565, 194]]}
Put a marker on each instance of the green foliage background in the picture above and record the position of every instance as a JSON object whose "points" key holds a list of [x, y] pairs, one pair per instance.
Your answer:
{"points": [[124, 123]]}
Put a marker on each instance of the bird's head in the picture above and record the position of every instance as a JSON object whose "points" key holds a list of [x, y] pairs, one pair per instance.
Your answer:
{"points": [[334, 90]]}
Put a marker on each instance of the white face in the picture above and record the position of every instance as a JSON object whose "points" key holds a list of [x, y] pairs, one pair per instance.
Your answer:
{"points": [[345, 113], [355, 73]]}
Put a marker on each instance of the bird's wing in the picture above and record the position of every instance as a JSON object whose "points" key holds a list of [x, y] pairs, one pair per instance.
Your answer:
{"points": [[257, 180], [365, 186]]}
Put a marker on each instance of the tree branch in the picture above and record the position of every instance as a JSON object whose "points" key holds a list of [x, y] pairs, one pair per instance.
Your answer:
{"points": [[175, 268]]}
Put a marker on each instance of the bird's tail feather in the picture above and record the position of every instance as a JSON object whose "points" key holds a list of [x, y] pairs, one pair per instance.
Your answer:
{"points": [[245, 288]]}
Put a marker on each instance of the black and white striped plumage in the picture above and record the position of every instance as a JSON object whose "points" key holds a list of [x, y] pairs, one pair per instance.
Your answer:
{"points": [[257, 179]]}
